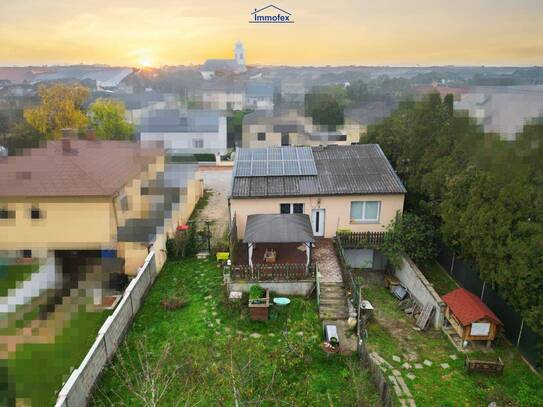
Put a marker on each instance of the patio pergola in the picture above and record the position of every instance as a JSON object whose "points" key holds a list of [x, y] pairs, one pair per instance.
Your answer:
{"points": [[278, 228]]}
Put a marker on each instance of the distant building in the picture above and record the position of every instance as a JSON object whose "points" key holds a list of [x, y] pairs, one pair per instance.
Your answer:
{"points": [[192, 131], [269, 128], [105, 78], [259, 95], [503, 109], [214, 67]]}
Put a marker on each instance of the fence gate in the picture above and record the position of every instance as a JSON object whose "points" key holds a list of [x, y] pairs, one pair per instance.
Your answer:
{"points": [[202, 236]]}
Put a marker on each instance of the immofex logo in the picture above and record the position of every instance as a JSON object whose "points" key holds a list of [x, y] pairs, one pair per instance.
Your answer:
{"points": [[271, 15]]}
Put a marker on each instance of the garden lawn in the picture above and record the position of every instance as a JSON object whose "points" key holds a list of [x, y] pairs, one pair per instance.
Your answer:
{"points": [[391, 333], [12, 274], [442, 282], [209, 352], [37, 371]]}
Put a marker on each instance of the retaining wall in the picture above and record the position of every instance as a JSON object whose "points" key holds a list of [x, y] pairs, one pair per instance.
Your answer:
{"points": [[421, 289]]}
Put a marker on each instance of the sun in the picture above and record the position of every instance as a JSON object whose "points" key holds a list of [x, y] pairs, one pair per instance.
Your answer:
{"points": [[146, 62]]}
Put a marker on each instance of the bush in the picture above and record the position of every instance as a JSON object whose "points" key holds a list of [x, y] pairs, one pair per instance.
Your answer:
{"points": [[183, 244], [412, 236], [256, 292]]}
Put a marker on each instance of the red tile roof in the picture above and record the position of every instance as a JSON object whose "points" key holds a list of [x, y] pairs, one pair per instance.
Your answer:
{"points": [[91, 168], [468, 308]]}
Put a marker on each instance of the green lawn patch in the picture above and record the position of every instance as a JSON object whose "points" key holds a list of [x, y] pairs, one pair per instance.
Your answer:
{"points": [[210, 352], [13, 274], [442, 282], [391, 333], [37, 371]]}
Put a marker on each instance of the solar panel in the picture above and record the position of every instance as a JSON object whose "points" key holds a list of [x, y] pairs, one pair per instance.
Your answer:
{"points": [[308, 167], [275, 161], [243, 168], [305, 153], [259, 169], [260, 154], [274, 154], [275, 167], [243, 154], [289, 153], [291, 167]]}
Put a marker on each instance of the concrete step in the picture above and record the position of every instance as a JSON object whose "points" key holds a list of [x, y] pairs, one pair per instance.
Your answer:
{"points": [[336, 300], [335, 315]]}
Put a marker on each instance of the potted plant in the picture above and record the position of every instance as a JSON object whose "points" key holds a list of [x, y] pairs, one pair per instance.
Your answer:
{"points": [[259, 303]]}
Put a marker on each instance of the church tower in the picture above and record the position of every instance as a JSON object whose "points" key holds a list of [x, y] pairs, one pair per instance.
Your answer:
{"points": [[239, 54]]}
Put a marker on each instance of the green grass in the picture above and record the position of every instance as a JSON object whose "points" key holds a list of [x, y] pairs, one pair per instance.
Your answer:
{"points": [[219, 361], [37, 371], [391, 333], [442, 282], [11, 275]]}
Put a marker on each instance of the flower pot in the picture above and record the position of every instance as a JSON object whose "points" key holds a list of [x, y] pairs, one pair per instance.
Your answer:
{"points": [[259, 308]]}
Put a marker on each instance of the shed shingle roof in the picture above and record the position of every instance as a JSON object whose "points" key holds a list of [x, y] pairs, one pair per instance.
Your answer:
{"points": [[467, 307], [92, 168], [341, 170]]}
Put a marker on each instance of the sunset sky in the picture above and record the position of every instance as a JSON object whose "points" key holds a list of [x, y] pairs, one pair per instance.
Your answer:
{"points": [[363, 32]]}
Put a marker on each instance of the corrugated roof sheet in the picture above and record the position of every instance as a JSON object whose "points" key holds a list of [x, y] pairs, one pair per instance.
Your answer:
{"points": [[341, 170]]}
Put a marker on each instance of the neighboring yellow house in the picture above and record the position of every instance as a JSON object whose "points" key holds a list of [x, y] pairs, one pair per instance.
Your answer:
{"points": [[339, 187], [92, 199], [274, 128]]}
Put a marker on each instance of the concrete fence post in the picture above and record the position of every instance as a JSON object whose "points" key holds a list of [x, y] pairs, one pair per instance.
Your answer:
{"points": [[520, 332], [483, 290], [452, 264]]}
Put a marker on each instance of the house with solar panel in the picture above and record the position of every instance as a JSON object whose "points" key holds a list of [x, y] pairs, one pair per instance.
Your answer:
{"points": [[285, 200]]}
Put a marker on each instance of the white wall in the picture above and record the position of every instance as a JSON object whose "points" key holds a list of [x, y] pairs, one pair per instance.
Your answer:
{"points": [[213, 141], [421, 289]]}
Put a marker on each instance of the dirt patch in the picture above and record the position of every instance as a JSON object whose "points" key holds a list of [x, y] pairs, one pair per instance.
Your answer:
{"points": [[217, 183]]}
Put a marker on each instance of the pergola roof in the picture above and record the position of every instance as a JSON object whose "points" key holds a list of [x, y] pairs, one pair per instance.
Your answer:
{"points": [[283, 228]]}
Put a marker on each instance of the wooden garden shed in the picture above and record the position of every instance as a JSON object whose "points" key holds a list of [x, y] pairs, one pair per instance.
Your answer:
{"points": [[470, 317]]}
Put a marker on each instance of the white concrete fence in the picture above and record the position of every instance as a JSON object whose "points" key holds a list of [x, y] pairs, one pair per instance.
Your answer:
{"points": [[421, 290], [78, 387]]}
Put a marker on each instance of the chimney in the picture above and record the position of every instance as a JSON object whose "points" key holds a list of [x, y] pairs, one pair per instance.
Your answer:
{"points": [[91, 135], [67, 135]]}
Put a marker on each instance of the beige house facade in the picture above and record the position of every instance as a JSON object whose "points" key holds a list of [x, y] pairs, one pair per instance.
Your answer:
{"points": [[290, 128], [340, 187], [91, 197]]}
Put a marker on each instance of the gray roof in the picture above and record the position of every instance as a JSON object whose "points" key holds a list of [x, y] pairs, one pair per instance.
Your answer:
{"points": [[174, 121], [259, 89], [341, 170], [221, 65], [283, 228]]}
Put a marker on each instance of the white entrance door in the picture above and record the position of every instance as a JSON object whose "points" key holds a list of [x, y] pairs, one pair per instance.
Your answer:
{"points": [[317, 221]]}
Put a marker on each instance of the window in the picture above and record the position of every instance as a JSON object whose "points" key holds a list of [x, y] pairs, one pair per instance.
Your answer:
{"points": [[27, 254], [365, 211], [291, 208], [124, 203], [261, 136], [6, 214], [197, 143], [35, 213]]}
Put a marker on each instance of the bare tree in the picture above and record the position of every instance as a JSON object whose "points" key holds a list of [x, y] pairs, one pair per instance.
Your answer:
{"points": [[144, 376]]}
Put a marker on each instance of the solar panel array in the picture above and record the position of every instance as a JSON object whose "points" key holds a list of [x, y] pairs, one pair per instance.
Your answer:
{"points": [[275, 161]]}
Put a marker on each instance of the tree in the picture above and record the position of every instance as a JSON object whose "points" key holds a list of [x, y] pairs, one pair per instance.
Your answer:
{"points": [[324, 108], [410, 235], [61, 107], [106, 117]]}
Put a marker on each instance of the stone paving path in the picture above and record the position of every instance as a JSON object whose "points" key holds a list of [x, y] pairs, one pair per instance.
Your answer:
{"points": [[325, 256]]}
